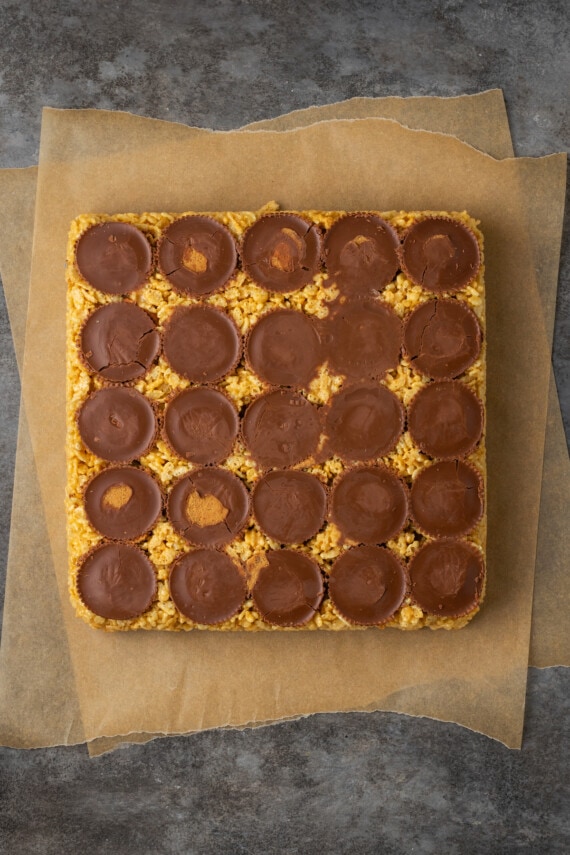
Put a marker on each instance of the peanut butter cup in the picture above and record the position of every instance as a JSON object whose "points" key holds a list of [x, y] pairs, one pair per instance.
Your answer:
{"points": [[440, 254], [447, 577], [119, 341], [197, 255], [289, 506], [367, 585], [201, 343], [445, 419], [281, 429], [209, 507], [364, 422], [117, 424], [361, 254], [201, 424], [116, 581], [446, 499], [122, 502], [114, 258], [207, 587], [369, 504], [282, 252], [284, 348], [288, 589], [442, 338], [363, 339]]}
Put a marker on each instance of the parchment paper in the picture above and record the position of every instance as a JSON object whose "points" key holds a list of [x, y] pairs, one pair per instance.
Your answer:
{"points": [[276, 709]]}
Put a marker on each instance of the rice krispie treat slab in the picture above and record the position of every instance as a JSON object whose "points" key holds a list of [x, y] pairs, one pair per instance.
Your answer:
{"points": [[275, 420]]}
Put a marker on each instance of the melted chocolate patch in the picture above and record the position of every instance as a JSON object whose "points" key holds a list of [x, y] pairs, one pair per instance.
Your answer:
{"points": [[197, 255], [281, 429], [440, 254], [445, 419], [122, 502], [207, 587], [447, 499], [114, 258], [201, 425], [290, 506], [284, 349], [361, 254], [364, 422], [282, 252], [119, 341], [209, 507], [117, 581], [367, 585], [117, 424], [289, 588], [369, 505], [201, 343], [447, 577], [442, 338]]}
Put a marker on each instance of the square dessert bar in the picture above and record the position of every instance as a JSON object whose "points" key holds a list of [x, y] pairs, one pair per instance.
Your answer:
{"points": [[275, 420]]}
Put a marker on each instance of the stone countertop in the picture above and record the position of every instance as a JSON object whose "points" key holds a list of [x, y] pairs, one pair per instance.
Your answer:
{"points": [[354, 783]]}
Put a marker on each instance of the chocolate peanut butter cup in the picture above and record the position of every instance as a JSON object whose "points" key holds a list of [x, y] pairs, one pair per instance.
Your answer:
{"points": [[201, 424], [117, 424], [440, 254], [209, 507], [207, 587], [122, 502], [201, 343], [114, 258], [289, 588], [361, 254], [446, 499], [116, 581], [446, 578], [369, 505], [363, 339], [119, 341], [289, 506], [364, 422], [282, 252], [445, 419], [281, 429], [284, 348], [197, 255], [442, 338], [367, 585]]}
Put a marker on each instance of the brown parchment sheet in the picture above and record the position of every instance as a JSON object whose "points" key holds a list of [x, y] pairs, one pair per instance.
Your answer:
{"points": [[65, 732]]}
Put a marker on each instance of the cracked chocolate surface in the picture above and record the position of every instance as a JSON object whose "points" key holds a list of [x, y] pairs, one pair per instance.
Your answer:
{"points": [[282, 252], [114, 258], [209, 507], [197, 255], [119, 341], [442, 338], [206, 586], [440, 254], [367, 585]]}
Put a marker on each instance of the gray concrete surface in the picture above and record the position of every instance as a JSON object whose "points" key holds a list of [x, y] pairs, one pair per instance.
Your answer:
{"points": [[355, 783]]}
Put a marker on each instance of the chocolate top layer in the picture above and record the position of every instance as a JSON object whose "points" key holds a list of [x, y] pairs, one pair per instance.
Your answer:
{"points": [[201, 425], [447, 499], [363, 340], [282, 252], [201, 343], [208, 506], [369, 505], [117, 581], [289, 588], [361, 254], [367, 585], [440, 254], [442, 338], [207, 586], [197, 255], [445, 419], [114, 257], [447, 577], [284, 348], [119, 342], [280, 429], [117, 424], [289, 506], [122, 502], [364, 422]]}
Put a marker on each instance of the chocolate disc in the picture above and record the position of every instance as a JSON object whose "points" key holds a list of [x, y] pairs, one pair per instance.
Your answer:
{"points": [[442, 338], [281, 429], [289, 506], [201, 343], [445, 419], [197, 255], [284, 349], [122, 502], [363, 340], [119, 341], [117, 424], [440, 254], [364, 422], [367, 585], [447, 499], [209, 507], [201, 425], [361, 254], [282, 252], [116, 581], [114, 257], [447, 577], [369, 505], [207, 587], [289, 588]]}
